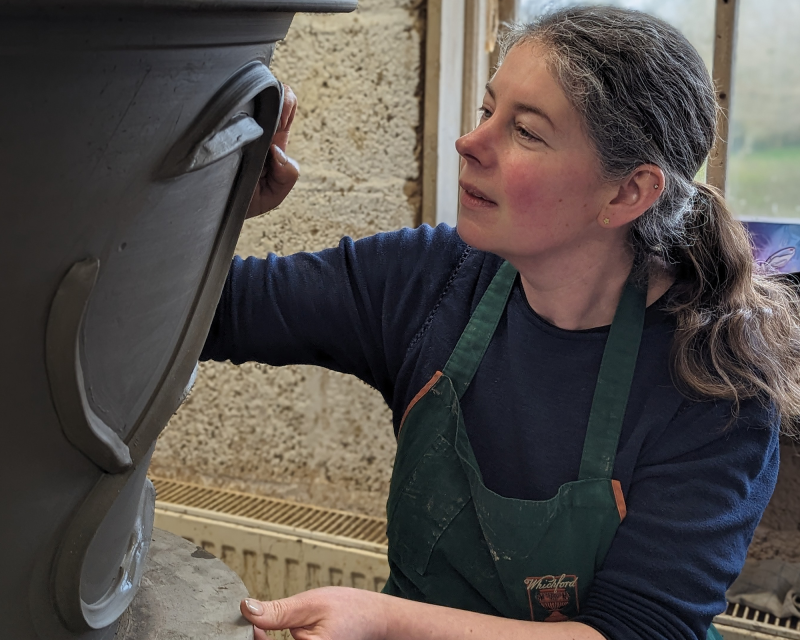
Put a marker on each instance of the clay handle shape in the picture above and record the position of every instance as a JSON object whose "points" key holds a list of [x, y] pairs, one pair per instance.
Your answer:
{"points": [[225, 126], [83, 428]]}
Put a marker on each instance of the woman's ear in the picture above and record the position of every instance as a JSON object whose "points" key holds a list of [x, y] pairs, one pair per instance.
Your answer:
{"points": [[634, 195]]}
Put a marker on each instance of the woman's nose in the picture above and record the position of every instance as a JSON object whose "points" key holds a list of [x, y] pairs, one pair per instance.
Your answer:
{"points": [[473, 146]]}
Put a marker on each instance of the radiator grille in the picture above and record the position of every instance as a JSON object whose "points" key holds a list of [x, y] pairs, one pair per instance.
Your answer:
{"points": [[746, 613], [745, 619], [272, 510]]}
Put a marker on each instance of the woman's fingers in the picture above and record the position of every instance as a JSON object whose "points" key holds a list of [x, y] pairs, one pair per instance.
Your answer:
{"points": [[289, 108], [282, 175], [327, 613], [260, 634], [277, 179], [283, 169], [280, 172], [281, 137], [281, 140], [288, 613]]}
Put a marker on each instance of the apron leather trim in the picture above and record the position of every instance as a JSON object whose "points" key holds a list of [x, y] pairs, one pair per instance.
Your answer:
{"points": [[418, 397], [619, 499]]}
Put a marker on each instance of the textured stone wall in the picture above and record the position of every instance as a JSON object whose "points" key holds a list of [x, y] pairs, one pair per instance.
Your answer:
{"points": [[302, 432], [778, 534]]}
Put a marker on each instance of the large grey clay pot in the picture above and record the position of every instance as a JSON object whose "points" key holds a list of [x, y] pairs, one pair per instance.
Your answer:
{"points": [[132, 133]]}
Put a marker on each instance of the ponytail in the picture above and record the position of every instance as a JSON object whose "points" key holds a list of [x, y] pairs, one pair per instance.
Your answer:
{"points": [[738, 327]]}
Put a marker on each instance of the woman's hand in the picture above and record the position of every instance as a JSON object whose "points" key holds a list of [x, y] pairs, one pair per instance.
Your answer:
{"points": [[329, 613], [339, 613], [280, 173]]}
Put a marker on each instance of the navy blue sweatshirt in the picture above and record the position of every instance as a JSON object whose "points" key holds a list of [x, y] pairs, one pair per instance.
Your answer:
{"points": [[390, 309]]}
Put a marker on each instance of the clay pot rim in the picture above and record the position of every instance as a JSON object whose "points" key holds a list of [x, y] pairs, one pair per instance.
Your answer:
{"points": [[287, 6]]}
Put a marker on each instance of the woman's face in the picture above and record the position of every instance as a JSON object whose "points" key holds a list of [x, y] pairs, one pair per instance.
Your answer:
{"points": [[530, 180]]}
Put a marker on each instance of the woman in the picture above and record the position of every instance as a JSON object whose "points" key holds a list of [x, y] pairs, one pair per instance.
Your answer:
{"points": [[587, 377]]}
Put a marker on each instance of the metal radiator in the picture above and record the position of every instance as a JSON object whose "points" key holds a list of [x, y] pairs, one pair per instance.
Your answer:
{"points": [[278, 548]]}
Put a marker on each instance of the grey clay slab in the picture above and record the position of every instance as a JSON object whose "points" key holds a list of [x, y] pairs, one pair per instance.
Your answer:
{"points": [[186, 594]]}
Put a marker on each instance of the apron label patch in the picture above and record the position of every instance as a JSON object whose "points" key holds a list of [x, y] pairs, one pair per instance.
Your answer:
{"points": [[553, 598]]}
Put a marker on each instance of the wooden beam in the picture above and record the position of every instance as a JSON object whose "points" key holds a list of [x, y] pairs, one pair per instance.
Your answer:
{"points": [[444, 69], [507, 11], [430, 112], [724, 64], [472, 44], [480, 30]]}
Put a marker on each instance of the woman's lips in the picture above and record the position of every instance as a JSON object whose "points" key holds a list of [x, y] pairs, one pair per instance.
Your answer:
{"points": [[474, 198]]}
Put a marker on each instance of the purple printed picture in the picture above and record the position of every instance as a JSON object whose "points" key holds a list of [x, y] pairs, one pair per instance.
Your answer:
{"points": [[776, 244]]}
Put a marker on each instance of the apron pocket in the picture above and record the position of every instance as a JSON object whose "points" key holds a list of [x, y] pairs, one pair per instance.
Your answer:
{"points": [[425, 505]]}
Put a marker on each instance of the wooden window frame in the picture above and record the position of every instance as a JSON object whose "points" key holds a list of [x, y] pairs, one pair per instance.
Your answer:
{"points": [[726, 18], [458, 60]]}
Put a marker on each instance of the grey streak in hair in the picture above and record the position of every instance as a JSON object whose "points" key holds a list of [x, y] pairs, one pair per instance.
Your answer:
{"points": [[645, 97]]}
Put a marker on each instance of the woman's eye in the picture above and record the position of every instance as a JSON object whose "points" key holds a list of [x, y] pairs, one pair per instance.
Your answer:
{"points": [[527, 135], [484, 113]]}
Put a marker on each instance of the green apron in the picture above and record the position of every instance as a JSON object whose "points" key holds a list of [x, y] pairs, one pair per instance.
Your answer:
{"points": [[456, 543]]}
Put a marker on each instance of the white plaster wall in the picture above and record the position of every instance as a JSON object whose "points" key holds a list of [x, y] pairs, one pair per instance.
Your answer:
{"points": [[302, 432]]}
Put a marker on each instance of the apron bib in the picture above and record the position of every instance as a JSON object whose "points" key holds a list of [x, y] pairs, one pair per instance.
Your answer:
{"points": [[454, 542]]}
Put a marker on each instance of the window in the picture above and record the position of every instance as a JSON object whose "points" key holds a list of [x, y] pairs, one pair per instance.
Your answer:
{"points": [[764, 163]]}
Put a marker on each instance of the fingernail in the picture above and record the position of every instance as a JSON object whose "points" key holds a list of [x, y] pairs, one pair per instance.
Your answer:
{"points": [[253, 606], [280, 155]]}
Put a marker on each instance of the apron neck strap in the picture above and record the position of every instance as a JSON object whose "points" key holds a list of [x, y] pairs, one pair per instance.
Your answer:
{"points": [[464, 361], [613, 385], [613, 382]]}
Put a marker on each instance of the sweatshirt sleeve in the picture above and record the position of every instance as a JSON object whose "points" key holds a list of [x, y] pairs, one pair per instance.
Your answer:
{"points": [[354, 308], [695, 499]]}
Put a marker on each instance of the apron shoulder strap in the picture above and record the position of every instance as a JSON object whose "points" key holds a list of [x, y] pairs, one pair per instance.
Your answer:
{"points": [[613, 386], [613, 382], [467, 356]]}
